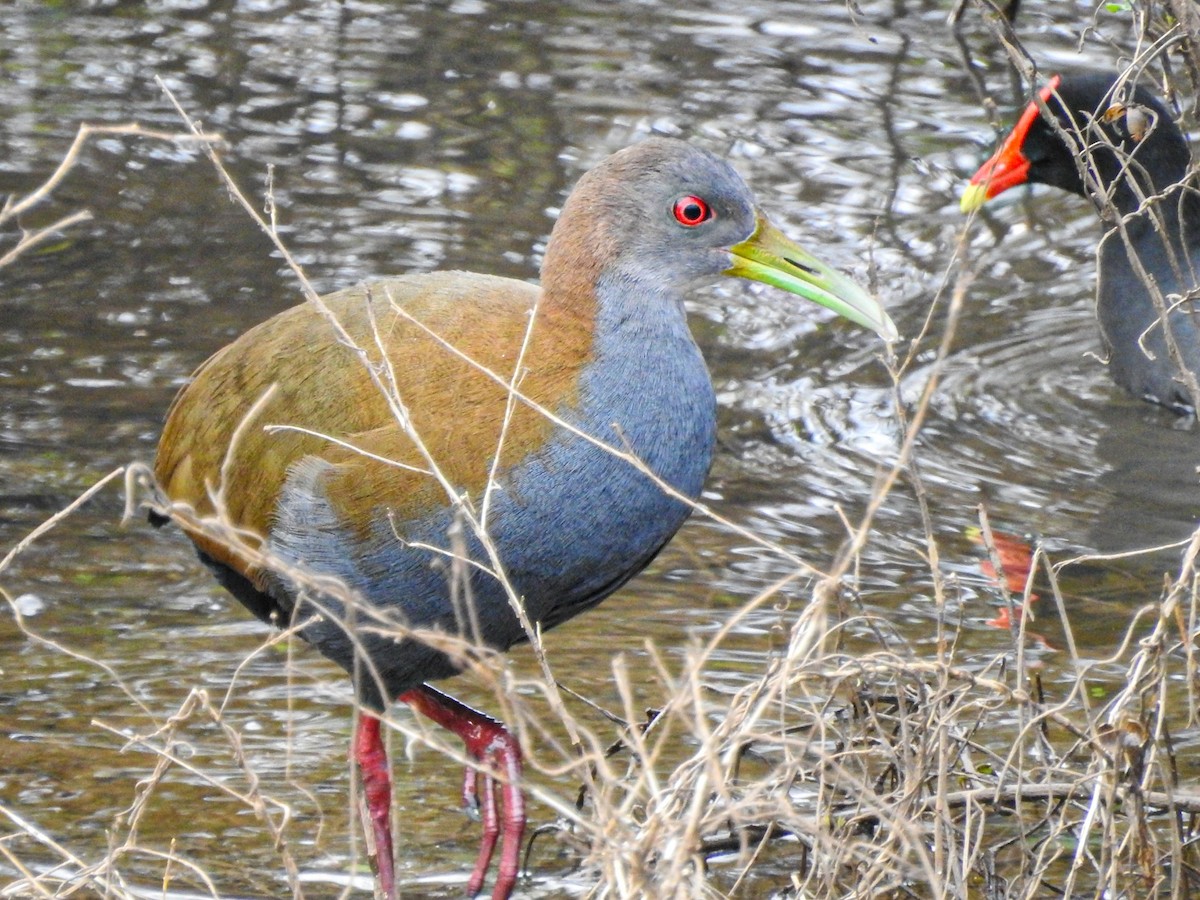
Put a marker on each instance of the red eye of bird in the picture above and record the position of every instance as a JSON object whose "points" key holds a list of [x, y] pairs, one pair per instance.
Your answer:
{"points": [[691, 211]]}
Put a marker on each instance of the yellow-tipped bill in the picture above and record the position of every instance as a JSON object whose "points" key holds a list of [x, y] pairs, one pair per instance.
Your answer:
{"points": [[1009, 166], [973, 197], [772, 258]]}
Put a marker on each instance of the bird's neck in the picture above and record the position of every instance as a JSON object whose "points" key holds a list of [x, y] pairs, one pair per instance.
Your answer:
{"points": [[581, 245], [586, 277], [1158, 168], [1172, 217], [637, 338]]}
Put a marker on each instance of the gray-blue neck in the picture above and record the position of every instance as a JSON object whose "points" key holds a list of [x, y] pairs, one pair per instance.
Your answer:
{"points": [[649, 379]]}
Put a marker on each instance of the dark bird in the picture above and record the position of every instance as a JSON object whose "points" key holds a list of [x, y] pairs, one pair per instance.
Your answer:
{"points": [[1119, 146], [385, 463]]}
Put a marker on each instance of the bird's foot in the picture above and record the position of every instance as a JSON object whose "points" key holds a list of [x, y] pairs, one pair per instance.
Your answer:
{"points": [[470, 793], [498, 752], [499, 757]]}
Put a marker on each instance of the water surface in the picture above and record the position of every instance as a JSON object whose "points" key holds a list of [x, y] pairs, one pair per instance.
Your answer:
{"points": [[417, 136]]}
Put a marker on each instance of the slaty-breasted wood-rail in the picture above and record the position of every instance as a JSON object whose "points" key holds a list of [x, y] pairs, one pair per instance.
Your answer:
{"points": [[374, 467]]}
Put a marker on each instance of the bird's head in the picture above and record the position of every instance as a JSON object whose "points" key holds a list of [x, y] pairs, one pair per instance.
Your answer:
{"points": [[1114, 131], [666, 213]]}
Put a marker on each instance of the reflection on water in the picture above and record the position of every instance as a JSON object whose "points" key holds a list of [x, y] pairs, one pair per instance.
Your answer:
{"points": [[425, 135]]}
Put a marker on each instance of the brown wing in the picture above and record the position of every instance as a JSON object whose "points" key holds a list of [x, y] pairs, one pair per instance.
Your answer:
{"points": [[323, 386]]}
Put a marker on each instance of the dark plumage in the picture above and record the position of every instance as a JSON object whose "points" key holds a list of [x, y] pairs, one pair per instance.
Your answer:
{"points": [[1138, 168]]}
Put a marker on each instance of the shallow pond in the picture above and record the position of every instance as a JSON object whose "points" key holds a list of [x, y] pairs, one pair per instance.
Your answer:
{"points": [[424, 135]]}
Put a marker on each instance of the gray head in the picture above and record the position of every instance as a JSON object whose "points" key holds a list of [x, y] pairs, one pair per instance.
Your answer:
{"points": [[661, 214]]}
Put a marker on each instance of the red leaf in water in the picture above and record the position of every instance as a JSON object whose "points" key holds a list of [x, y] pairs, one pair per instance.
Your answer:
{"points": [[1016, 558]]}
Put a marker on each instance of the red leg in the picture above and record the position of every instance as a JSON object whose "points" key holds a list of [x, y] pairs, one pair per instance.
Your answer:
{"points": [[489, 742], [371, 757], [470, 792]]}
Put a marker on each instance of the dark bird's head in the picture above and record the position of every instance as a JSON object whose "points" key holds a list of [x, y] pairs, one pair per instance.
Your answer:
{"points": [[1118, 131]]}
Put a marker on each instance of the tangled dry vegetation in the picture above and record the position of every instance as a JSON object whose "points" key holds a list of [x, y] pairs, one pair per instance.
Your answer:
{"points": [[855, 763], [852, 764]]}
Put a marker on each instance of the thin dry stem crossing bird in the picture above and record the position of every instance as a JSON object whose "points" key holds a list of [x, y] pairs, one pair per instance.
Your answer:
{"points": [[384, 456]]}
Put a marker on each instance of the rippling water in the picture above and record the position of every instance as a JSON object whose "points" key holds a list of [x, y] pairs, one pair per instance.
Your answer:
{"points": [[415, 136]]}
